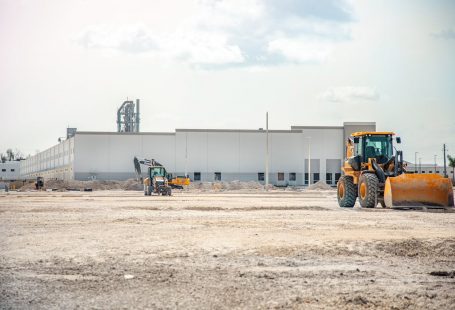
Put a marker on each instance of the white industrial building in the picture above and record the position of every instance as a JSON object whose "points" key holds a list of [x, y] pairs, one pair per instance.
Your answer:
{"points": [[203, 154], [429, 168], [10, 170]]}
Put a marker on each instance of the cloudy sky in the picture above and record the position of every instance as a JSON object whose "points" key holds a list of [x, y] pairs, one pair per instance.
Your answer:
{"points": [[224, 63]]}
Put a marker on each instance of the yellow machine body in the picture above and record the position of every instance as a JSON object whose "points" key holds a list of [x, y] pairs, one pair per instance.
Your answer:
{"points": [[180, 181]]}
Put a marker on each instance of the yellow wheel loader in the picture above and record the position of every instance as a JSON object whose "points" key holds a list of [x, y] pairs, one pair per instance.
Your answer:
{"points": [[374, 173]]}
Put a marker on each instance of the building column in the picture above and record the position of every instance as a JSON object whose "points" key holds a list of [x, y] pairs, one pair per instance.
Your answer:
{"points": [[322, 169]]}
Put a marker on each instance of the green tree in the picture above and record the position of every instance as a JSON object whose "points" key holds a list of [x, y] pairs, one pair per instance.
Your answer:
{"points": [[10, 154], [452, 164]]}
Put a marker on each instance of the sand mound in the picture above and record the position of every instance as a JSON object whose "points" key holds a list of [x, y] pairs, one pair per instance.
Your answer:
{"points": [[59, 185], [225, 186], [134, 185], [320, 185]]}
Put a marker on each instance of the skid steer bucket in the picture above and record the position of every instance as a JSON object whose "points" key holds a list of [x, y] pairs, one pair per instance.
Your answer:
{"points": [[418, 190]]}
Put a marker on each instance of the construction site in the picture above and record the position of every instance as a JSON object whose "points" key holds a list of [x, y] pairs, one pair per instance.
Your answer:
{"points": [[227, 220], [226, 154]]}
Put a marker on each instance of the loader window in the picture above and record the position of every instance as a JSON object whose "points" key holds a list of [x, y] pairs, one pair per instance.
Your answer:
{"points": [[358, 148], [379, 147], [157, 171]]}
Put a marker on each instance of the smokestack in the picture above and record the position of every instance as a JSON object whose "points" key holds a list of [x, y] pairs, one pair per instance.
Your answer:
{"points": [[137, 115], [119, 119]]}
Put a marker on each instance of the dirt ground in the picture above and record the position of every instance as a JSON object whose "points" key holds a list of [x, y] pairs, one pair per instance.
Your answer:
{"points": [[251, 249]]}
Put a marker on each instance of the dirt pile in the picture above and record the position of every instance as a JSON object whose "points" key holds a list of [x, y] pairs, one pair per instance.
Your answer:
{"points": [[59, 185], [320, 185], [224, 186]]}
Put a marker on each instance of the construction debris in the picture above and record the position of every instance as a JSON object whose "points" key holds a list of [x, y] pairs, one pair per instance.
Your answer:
{"points": [[62, 186], [133, 185], [320, 185]]}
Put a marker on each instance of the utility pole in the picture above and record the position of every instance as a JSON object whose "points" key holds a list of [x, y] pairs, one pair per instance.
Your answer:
{"points": [[445, 166], [415, 162], [435, 163], [186, 155], [267, 149], [420, 165], [309, 161]]}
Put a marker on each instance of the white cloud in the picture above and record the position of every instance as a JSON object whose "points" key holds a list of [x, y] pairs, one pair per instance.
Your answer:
{"points": [[128, 38], [300, 50], [236, 32], [445, 34], [191, 47], [349, 94]]}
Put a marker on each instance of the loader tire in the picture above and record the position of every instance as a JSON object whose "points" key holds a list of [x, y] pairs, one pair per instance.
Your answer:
{"points": [[368, 190], [346, 192]]}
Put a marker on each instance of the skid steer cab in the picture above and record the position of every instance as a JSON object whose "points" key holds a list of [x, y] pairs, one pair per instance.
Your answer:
{"points": [[156, 182], [374, 173]]}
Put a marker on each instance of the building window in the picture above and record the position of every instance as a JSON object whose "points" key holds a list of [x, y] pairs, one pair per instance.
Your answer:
{"points": [[12, 170], [217, 176], [315, 177], [337, 177], [306, 178], [423, 171], [328, 178], [437, 171], [430, 171], [292, 176], [261, 176], [197, 176], [280, 176], [3, 170]]}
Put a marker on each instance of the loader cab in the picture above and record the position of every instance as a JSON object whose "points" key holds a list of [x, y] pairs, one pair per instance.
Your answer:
{"points": [[373, 145], [157, 171]]}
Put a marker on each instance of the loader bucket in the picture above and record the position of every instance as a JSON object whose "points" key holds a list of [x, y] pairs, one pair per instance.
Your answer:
{"points": [[418, 190]]}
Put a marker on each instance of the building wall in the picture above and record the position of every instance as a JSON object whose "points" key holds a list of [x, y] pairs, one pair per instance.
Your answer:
{"points": [[10, 170], [53, 163], [236, 154], [109, 156]]}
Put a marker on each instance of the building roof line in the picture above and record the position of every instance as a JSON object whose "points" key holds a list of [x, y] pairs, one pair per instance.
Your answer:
{"points": [[316, 127], [122, 133], [358, 123], [238, 130]]}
